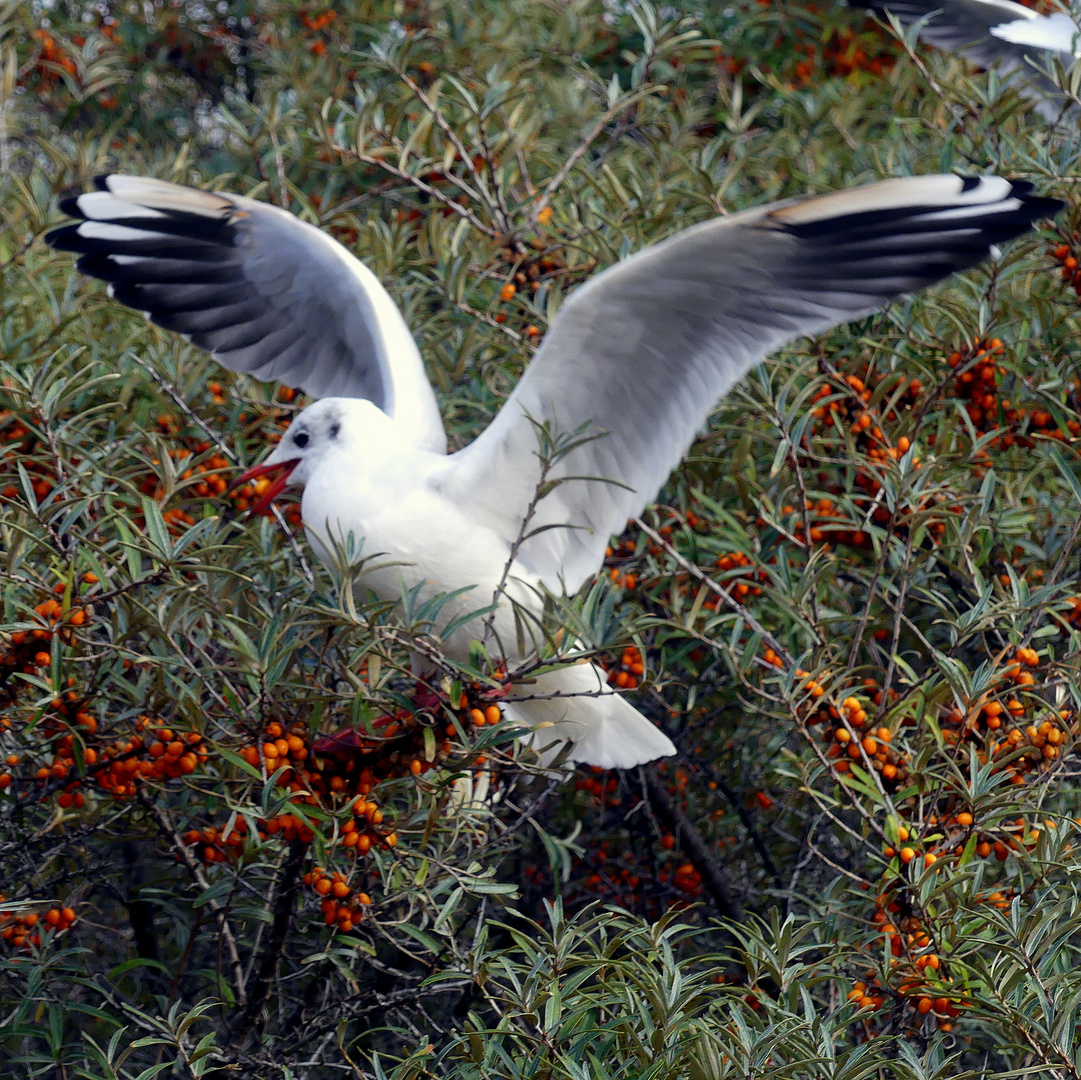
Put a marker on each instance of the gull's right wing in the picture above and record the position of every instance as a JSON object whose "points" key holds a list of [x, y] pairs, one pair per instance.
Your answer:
{"points": [[261, 290]]}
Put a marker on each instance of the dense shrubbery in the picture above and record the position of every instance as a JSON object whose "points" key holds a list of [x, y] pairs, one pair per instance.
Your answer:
{"points": [[856, 609]]}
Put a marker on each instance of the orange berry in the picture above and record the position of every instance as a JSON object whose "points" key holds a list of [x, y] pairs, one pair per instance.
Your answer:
{"points": [[907, 854]]}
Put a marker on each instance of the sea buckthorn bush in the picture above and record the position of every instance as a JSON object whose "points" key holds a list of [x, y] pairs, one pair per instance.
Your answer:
{"points": [[242, 834]]}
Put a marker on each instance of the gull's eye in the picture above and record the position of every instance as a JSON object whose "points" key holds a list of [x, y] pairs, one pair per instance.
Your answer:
{"points": [[301, 439]]}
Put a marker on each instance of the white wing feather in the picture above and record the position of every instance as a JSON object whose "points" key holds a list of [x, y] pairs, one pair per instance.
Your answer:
{"points": [[997, 34]]}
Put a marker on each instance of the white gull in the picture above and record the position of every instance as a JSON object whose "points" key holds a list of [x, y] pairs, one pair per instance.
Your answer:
{"points": [[634, 363]]}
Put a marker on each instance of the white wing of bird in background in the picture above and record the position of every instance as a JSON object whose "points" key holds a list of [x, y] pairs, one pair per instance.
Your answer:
{"points": [[996, 34]]}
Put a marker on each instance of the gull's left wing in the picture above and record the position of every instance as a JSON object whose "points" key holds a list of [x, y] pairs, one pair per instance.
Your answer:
{"points": [[642, 352]]}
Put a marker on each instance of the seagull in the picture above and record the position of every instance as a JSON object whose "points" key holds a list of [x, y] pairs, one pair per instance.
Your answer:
{"points": [[628, 374], [1000, 35]]}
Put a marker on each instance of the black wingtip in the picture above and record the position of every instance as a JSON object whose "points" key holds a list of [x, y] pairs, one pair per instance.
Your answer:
{"points": [[1042, 206], [1037, 206], [64, 238], [69, 201], [70, 206]]}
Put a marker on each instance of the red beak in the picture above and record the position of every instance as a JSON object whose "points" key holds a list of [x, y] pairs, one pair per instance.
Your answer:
{"points": [[276, 487]]}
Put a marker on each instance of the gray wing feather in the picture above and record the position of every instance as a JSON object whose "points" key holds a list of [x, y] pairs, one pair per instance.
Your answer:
{"points": [[642, 353]]}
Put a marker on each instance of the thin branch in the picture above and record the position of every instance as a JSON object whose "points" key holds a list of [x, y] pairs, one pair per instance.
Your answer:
{"points": [[557, 181], [165, 823], [694, 847], [442, 123], [420, 185], [282, 904], [730, 601]]}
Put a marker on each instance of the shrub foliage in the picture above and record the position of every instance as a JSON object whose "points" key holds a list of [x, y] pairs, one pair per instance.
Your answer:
{"points": [[238, 838]]}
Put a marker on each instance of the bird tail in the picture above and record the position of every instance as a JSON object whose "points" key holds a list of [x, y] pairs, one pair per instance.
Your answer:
{"points": [[575, 706]]}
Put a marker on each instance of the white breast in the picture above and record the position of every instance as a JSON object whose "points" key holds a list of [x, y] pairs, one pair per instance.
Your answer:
{"points": [[409, 535]]}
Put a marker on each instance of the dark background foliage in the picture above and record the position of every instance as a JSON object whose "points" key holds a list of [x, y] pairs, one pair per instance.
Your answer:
{"points": [[855, 609]]}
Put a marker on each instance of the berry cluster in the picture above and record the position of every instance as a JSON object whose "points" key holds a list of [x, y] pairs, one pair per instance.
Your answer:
{"points": [[845, 53], [343, 907], [530, 263], [918, 980], [837, 53], [24, 930], [27, 651], [203, 476], [977, 384], [23, 446], [628, 672]]}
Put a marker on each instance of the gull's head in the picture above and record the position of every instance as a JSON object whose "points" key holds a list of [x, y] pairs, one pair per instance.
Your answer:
{"points": [[327, 430]]}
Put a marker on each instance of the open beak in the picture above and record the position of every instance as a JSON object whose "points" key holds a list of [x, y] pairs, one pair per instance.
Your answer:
{"points": [[283, 468]]}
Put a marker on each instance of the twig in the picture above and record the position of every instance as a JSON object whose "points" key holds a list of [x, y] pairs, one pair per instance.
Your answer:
{"points": [[282, 904], [556, 182], [452, 136], [745, 817], [165, 823], [420, 185], [701, 576]]}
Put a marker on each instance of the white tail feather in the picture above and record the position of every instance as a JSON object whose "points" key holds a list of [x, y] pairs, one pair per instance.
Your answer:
{"points": [[600, 726]]}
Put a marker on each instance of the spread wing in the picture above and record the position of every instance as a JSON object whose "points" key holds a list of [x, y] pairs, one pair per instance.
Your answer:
{"points": [[263, 291], [644, 351], [996, 34]]}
